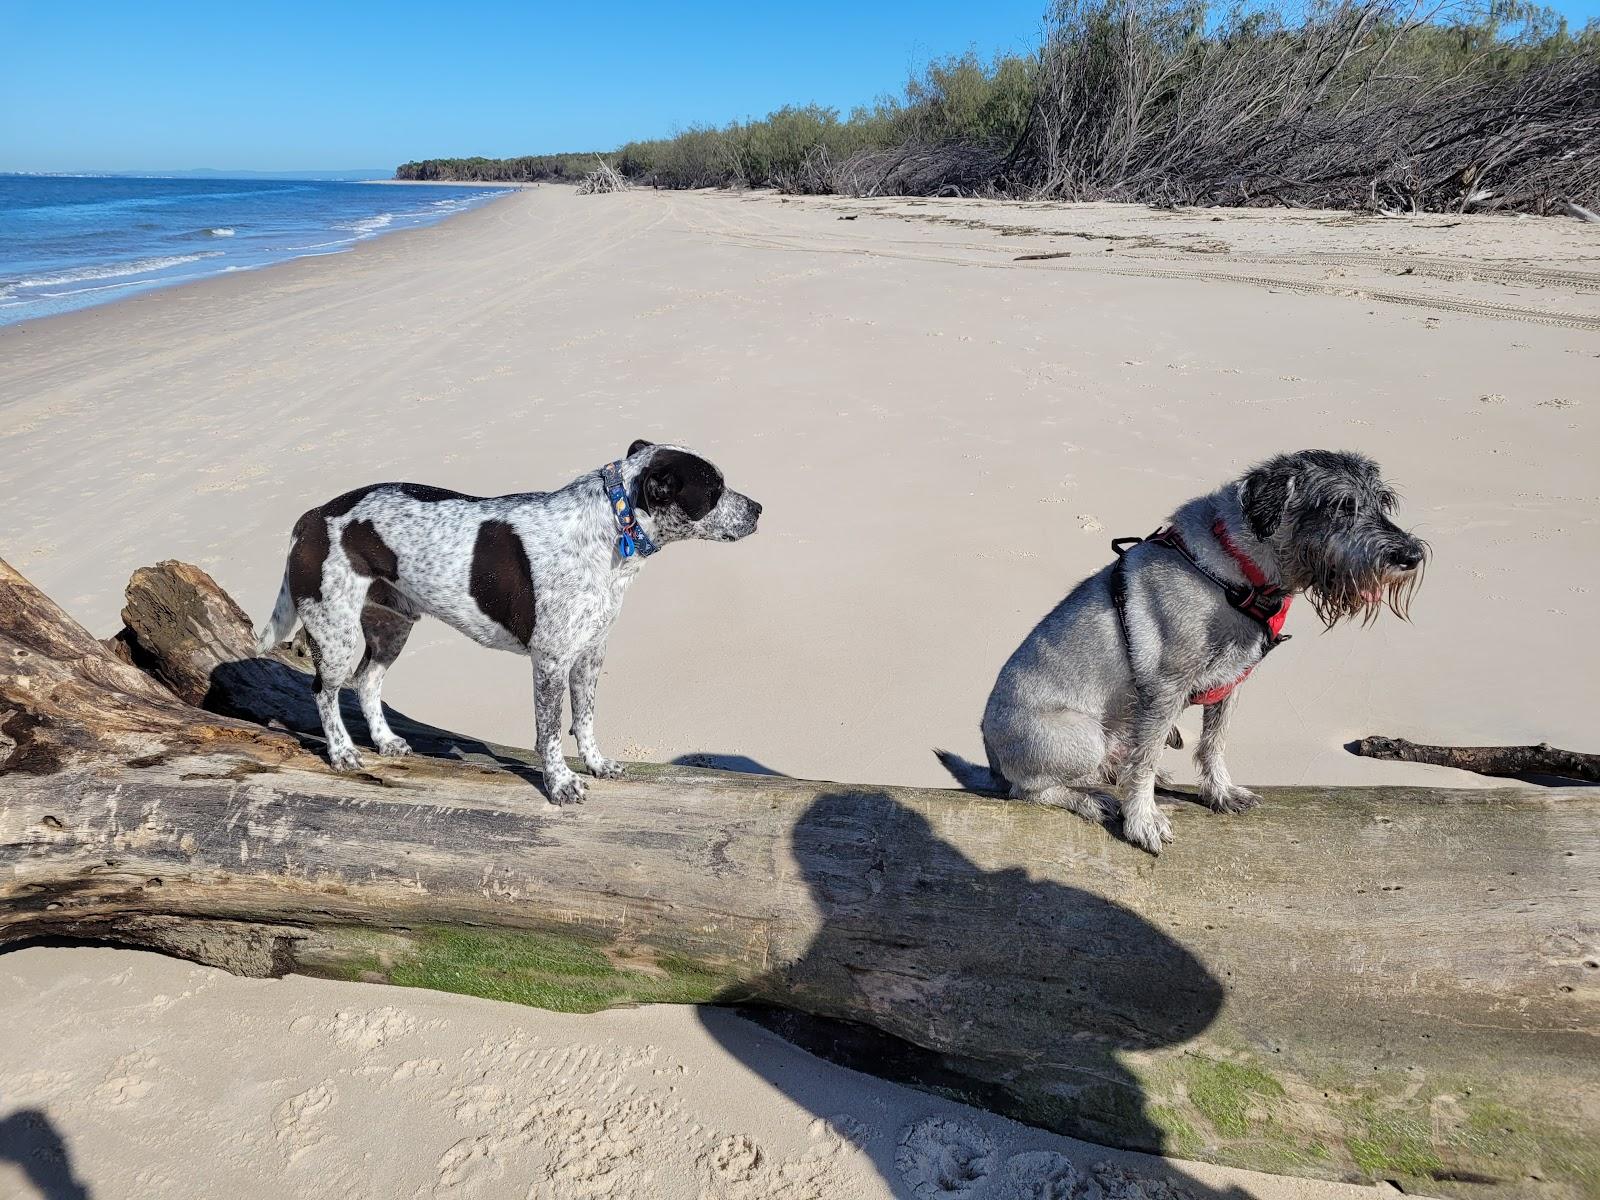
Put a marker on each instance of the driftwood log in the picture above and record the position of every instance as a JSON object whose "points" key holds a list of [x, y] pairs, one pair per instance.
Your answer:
{"points": [[1513, 762], [1395, 983]]}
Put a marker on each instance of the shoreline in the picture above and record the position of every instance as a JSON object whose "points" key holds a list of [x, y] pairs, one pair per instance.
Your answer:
{"points": [[469, 183], [246, 272], [1030, 380]]}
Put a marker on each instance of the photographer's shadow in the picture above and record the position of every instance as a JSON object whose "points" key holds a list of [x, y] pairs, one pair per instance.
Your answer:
{"points": [[1032, 990], [30, 1139]]}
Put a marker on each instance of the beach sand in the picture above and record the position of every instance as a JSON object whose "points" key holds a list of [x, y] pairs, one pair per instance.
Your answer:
{"points": [[948, 408], [946, 431], [190, 1084]]}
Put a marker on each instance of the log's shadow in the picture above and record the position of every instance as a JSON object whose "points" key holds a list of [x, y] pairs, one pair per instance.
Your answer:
{"points": [[29, 1138], [1032, 991], [252, 687]]}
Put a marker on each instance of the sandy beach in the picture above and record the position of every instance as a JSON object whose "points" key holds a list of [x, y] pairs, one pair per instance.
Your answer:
{"points": [[190, 1083], [947, 407]]}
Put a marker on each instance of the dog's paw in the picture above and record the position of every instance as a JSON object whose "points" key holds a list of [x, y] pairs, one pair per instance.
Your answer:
{"points": [[603, 768], [1093, 806], [344, 758], [1233, 800], [395, 747], [1149, 831], [565, 789]]}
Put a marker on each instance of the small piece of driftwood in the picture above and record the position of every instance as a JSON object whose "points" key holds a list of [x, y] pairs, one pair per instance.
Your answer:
{"points": [[1500, 761]]}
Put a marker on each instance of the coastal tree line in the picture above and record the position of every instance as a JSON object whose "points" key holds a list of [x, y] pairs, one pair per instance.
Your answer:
{"points": [[1395, 105], [529, 168]]}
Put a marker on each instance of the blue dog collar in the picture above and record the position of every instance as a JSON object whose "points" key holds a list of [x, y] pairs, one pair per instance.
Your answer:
{"points": [[631, 537]]}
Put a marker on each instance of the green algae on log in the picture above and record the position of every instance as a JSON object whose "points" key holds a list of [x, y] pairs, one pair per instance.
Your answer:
{"points": [[1378, 983]]}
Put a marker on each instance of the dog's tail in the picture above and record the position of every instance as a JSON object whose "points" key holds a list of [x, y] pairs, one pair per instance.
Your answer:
{"points": [[972, 776], [282, 622]]}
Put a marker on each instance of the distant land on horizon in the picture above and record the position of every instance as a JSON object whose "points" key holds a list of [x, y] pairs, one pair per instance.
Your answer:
{"points": [[216, 173]]}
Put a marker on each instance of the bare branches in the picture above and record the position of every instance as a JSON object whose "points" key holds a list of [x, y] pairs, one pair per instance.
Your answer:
{"points": [[1365, 103], [1513, 761], [915, 169], [603, 178]]}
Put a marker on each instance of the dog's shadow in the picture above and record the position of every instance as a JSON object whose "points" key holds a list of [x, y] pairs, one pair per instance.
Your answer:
{"points": [[253, 687], [916, 932]]}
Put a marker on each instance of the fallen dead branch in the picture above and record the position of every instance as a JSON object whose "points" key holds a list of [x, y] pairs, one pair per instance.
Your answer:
{"points": [[1504, 761]]}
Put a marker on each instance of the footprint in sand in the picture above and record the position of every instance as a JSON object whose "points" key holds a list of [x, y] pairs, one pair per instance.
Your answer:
{"points": [[736, 1158], [417, 1068], [478, 1102], [125, 1082], [942, 1158], [843, 1131], [1089, 523], [1042, 1175], [469, 1166], [1119, 1184], [369, 1030], [298, 1120]]}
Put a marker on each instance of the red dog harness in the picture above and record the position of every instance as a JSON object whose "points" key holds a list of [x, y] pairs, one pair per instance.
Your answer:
{"points": [[1259, 600]]}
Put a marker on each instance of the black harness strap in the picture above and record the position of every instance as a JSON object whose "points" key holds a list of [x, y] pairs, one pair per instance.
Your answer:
{"points": [[1259, 604], [1118, 584]]}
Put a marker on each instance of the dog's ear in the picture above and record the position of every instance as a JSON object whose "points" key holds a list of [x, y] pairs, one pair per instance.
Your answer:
{"points": [[659, 487], [1265, 496], [639, 445], [677, 478]]}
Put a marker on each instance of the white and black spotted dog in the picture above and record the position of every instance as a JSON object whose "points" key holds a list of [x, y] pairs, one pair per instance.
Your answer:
{"points": [[537, 573]]}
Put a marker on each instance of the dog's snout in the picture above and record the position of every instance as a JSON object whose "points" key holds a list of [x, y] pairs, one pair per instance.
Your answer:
{"points": [[755, 509], [1407, 558]]}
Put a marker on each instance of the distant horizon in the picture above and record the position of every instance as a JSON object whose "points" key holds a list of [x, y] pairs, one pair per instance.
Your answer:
{"points": [[320, 174]]}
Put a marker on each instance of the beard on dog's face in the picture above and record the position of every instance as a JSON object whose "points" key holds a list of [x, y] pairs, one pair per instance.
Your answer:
{"points": [[1326, 515], [686, 497]]}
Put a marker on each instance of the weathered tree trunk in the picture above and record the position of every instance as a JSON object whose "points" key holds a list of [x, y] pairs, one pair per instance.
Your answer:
{"points": [[1503, 761], [1394, 982]]}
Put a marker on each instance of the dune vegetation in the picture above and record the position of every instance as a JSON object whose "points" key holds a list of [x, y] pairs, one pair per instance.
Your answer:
{"points": [[1375, 104]]}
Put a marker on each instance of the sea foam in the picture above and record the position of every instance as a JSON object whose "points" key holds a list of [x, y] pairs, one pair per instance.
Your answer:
{"points": [[138, 266]]}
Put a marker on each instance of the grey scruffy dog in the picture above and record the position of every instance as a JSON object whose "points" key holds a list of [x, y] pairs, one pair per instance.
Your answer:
{"points": [[1089, 698]]}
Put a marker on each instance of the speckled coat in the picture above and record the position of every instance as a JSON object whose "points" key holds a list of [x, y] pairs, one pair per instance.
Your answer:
{"points": [[535, 573]]}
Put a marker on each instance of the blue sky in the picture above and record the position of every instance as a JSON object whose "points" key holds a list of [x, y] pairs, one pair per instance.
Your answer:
{"points": [[158, 85], [154, 84]]}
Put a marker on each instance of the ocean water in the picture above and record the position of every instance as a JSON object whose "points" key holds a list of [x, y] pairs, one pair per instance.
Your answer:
{"points": [[69, 242]]}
